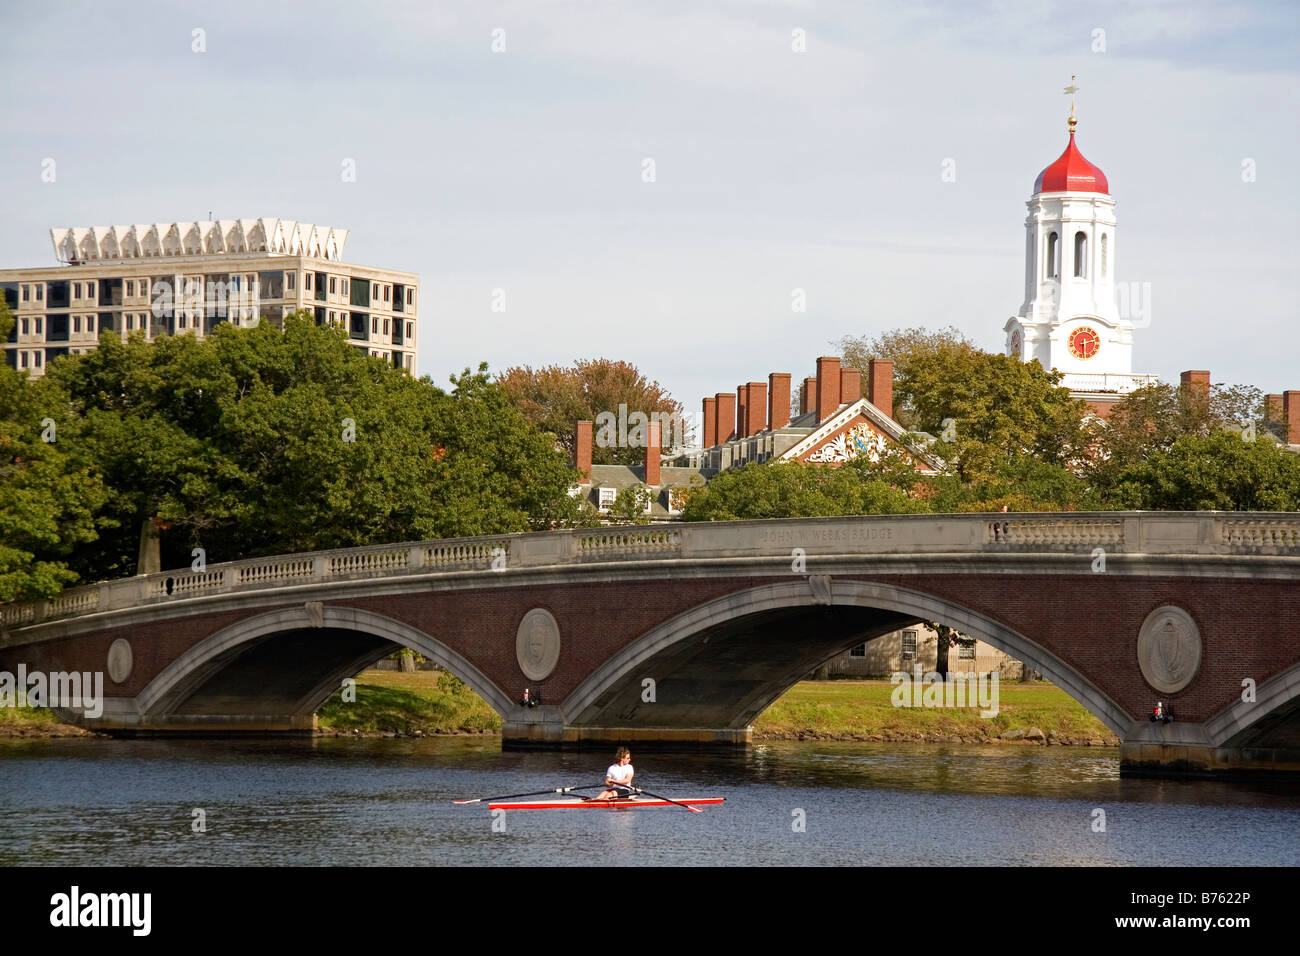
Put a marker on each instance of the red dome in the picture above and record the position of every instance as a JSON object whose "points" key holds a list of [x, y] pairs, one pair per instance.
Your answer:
{"points": [[1071, 173]]}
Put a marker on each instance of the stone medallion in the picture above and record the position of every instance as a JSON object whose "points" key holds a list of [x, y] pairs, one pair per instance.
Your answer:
{"points": [[537, 644], [120, 660], [1169, 649]]}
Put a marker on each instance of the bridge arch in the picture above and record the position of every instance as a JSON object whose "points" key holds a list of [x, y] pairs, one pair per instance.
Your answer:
{"points": [[193, 668], [627, 664], [1249, 723]]}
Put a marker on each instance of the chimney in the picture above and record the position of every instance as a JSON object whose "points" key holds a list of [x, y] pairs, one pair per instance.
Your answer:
{"points": [[778, 400], [726, 408], [742, 409], [1196, 379], [1291, 416], [850, 385], [756, 407], [582, 455], [1273, 408], [710, 422], [807, 396], [828, 387], [880, 385], [652, 456]]}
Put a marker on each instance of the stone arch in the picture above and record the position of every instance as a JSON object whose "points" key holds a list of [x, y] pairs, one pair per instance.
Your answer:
{"points": [[191, 669], [1276, 697], [888, 597]]}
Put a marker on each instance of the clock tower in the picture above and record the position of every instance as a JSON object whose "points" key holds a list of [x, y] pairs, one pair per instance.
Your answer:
{"points": [[1069, 319]]}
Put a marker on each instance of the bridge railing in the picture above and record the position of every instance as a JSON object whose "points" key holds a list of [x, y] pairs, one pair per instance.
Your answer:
{"points": [[1151, 533]]}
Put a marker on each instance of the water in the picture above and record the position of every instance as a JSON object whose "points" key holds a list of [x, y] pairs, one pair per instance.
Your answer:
{"points": [[388, 801]]}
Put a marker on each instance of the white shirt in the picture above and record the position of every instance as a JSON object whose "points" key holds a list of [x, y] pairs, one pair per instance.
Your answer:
{"points": [[619, 773]]}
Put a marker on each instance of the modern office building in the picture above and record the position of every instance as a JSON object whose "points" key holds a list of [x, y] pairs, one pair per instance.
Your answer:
{"points": [[188, 277]]}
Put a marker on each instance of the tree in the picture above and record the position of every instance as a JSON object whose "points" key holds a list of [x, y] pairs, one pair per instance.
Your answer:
{"points": [[48, 491], [261, 441], [794, 490], [947, 637], [630, 504], [1219, 472], [985, 410], [556, 398]]}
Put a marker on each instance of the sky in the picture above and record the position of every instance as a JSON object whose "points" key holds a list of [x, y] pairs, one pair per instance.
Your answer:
{"points": [[524, 168]]}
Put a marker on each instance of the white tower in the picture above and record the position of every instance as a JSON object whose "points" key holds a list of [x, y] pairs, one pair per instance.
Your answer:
{"points": [[1069, 320]]}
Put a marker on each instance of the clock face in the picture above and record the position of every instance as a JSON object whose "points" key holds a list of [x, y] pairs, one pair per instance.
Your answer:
{"points": [[1015, 343], [1084, 342]]}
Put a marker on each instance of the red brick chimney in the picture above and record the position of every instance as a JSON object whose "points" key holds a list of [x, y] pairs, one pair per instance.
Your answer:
{"points": [[1273, 408], [880, 385], [807, 396], [652, 455], [710, 422], [755, 408], [828, 387], [778, 400], [1291, 416], [726, 408], [1196, 379], [850, 385], [582, 452], [742, 409]]}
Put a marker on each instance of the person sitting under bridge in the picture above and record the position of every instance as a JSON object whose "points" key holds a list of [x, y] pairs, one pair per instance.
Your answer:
{"points": [[618, 778]]}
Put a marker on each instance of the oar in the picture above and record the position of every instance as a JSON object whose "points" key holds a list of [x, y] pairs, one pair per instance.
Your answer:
{"points": [[659, 797], [534, 793]]}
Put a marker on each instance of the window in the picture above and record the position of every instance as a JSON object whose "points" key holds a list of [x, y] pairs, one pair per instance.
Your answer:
{"points": [[40, 290], [306, 282], [23, 327], [90, 290], [76, 323], [130, 288], [966, 653], [909, 646], [39, 323], [22, 359], [374, 326], [607, 496], [36, 358], [388, 292], [180, 322], [76, 290], [331, 285], [288, 280], [90, 323], [859, 651], [27, 293], [130, 321], [1103, 255], [345, 286], [234, 283], [408, 362], [1080, 255], [374, 290], [410, 330], [410, 297], [1052, 270], [385, 326], [144, 286]]}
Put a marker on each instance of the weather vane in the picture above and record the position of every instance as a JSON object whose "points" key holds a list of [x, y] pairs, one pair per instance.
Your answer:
{"points": [[1072, 89]]}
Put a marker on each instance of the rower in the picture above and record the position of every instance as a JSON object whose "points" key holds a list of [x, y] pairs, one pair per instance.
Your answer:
{"points": [[618, 778]]}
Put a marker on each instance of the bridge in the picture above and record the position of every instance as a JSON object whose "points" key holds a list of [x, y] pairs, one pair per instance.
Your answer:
{"points": [[680, 635]]}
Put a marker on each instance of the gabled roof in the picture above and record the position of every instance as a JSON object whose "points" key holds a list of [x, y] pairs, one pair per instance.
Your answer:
{"points": [[841, 422]]}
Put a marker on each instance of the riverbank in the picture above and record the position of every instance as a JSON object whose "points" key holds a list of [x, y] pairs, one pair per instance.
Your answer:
{"points": [[434, 703]]}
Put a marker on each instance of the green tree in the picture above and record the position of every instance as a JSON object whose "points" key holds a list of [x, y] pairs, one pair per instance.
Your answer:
{"points": [[1218, 472], [48, 492], [261, 441], [556, 398], [630, 504], [794, 490]]}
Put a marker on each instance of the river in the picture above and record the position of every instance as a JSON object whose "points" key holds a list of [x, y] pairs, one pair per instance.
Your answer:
{"points": [[388, 801]]}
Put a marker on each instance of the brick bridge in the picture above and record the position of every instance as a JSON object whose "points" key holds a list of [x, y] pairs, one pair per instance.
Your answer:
{"points": [[1199, 610]]}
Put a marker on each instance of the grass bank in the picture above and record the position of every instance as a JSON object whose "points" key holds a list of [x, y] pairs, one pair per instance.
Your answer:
{"points": [[863, 710], [423, 703], [35, 722]]}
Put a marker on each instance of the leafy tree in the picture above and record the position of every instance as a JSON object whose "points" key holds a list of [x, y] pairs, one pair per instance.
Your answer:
{"points": [[794, 490], [1219, 472], [556, 398], [48, 493], [261, 441], [630, 504], [986, 410]]}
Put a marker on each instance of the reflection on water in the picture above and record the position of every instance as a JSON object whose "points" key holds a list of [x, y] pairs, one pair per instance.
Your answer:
{"points": [[376, 802]]}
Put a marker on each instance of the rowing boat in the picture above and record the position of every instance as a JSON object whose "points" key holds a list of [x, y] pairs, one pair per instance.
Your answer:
{"points": [[618, 803]]}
